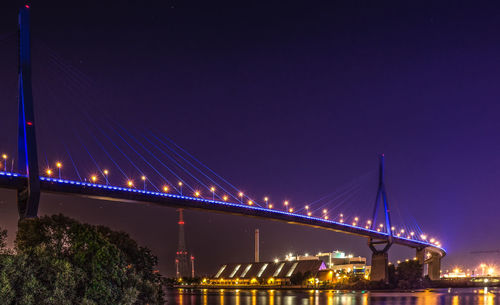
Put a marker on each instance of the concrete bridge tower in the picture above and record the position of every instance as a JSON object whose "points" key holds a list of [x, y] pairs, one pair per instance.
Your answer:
{"points": [[380, 248], [28, 197], [380, 258]]}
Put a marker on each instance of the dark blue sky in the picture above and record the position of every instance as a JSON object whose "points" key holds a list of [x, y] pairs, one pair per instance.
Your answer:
{"points": [[289, 99]]}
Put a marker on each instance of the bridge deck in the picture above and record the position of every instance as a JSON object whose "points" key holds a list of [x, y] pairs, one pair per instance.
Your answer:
{"points": [[114, 193]]}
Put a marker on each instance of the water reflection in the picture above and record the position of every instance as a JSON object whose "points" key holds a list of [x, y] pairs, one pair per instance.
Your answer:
{"points": [[331, 297]]}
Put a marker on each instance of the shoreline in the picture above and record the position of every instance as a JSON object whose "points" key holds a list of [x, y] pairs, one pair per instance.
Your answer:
{"points": [[344, 290]]}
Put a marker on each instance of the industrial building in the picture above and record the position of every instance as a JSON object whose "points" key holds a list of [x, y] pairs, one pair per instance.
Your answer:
{"points": [[279, 273], [325, 267], [264, 273], [337, 261]]}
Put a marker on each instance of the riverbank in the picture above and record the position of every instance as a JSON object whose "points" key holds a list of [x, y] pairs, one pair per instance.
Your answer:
{"points": [[364, 286]]}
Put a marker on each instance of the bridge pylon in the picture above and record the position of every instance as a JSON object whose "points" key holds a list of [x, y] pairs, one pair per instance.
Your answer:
{"points": [[380, 258], [29, 196]]}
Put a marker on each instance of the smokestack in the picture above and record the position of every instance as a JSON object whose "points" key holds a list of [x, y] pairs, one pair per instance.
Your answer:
{"points": [[192, 266], [256, 245]]}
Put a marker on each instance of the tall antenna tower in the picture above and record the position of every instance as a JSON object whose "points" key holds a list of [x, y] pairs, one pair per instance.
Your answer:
{"points": [[182, 257]]}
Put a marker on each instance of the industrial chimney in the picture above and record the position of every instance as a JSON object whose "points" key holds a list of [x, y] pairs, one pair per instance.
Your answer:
{"points": [[256, 245]]}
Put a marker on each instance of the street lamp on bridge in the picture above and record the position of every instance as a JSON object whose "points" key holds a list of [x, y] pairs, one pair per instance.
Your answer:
{"points": [[59, 166], [212, 189], [4, 157], [180, 187], [105, 174]]}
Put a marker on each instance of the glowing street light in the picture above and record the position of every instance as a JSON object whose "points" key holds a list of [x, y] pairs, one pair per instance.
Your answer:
{"points": [[59, 166], [290, 210], [130, 183], [143, 178], [270, 206], [286, 203], [180, 187], [491, 271], [165, 188], [266, 200], [212, 189], [309, 214], [224, 197], [49, 172], [240, 194], [197, 194], [250, 202], [106, 173], [4, 157], [93, 178]]}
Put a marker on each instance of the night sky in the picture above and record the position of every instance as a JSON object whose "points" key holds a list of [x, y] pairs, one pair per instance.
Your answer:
{"points": [[289, 99]]}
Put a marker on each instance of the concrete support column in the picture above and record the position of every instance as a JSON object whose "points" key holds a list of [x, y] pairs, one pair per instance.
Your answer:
{"points": [[379, 271], [420, 255], [434, 267]]}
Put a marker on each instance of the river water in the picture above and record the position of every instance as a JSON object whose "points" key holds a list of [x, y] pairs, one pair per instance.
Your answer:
{"points": [[462, 296]]}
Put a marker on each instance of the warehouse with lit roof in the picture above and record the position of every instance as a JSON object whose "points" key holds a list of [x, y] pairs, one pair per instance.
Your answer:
{"points": [[271, 273]]}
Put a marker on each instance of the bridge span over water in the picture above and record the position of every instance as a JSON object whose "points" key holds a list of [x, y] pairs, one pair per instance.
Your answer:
{"points": [[29, 184], [426, 252]]}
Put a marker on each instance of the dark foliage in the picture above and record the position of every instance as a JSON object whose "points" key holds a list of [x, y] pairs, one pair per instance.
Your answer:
{"points": [[61, 261]]}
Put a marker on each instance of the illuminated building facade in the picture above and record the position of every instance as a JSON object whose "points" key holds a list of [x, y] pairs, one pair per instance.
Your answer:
{"points": [[264, 273]]}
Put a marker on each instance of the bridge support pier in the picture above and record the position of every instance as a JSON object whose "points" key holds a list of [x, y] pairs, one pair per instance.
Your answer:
{"points": [[434, 267], [380, 271], [420, 255]]}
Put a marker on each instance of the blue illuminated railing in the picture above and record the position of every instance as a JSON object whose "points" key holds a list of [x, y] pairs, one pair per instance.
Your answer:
{"points": [[11, 174]]}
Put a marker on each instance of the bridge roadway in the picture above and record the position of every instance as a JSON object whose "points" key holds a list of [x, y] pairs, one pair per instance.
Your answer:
{"points": [[123, 194]]}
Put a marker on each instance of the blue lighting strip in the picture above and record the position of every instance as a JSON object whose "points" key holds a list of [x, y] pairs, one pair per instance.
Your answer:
{"points": [[10, 174], [223, 203]]}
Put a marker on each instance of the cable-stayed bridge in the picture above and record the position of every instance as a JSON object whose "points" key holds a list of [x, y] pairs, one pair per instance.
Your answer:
{"points": [[178, 180]]}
